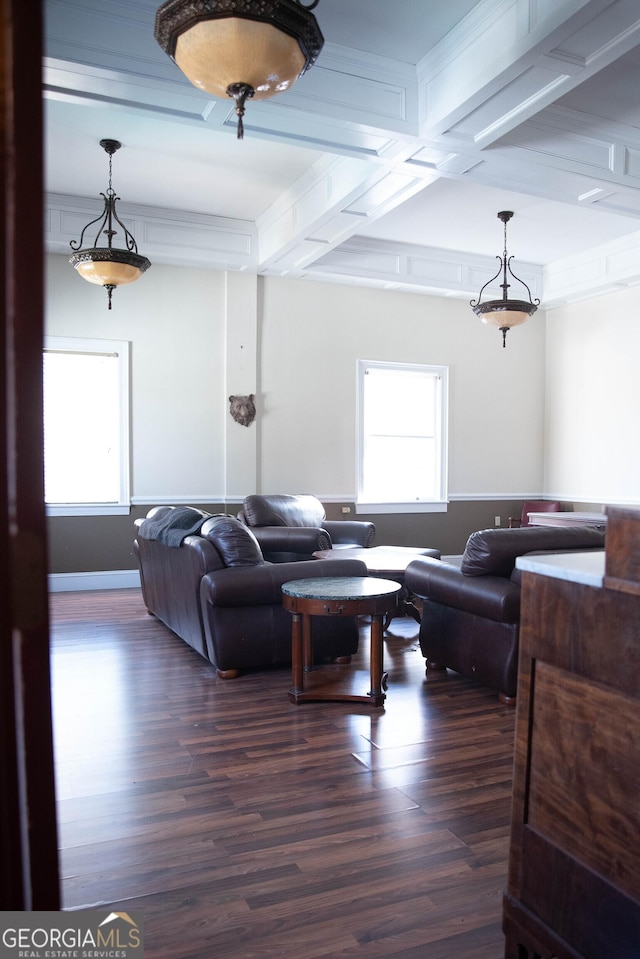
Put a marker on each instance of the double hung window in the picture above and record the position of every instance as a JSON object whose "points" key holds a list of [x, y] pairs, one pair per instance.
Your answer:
{"points": [[86, 426], [402, 437]]}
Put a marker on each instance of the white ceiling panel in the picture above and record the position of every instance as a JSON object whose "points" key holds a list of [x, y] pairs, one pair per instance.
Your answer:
{"points": [[350, 130]]}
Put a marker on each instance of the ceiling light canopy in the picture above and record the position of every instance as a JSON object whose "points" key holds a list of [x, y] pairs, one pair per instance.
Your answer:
{"points": [[107, 265], [242, 49], [505, 313]]}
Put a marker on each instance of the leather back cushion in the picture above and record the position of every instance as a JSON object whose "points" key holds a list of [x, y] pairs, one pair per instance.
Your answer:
{"points": [[281, 509], [236, 544], [494, 551]]}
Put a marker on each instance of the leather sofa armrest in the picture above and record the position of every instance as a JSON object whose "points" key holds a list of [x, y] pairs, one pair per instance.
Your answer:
{"points": [[291, 539], [262, 585], [350, 532], [491, 597]]}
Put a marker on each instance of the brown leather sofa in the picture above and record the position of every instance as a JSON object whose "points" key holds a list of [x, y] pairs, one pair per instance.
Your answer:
{"points": [[206, 579], [471, 608], [292, 527]]}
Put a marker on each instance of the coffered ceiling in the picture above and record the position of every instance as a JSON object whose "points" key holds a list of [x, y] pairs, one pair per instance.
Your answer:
{"points": [[385, 165]]}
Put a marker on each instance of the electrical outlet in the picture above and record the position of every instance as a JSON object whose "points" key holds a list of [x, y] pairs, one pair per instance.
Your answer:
{"points": [[497, 519], [346, 509]]}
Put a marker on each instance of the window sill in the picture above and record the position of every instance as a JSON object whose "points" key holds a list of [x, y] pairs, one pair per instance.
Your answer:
{"points": [[414, 507], [88, 509]]}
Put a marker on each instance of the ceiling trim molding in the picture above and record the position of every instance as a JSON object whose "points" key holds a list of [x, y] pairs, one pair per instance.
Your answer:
{"points": [[506, 61], [164, 236], [573, 141], [603, 269], [327, 206], [188, 239], [424, 269], [479, 108]]}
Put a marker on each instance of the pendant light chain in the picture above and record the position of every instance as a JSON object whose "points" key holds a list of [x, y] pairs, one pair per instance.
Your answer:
{"points": [[110, 232]]}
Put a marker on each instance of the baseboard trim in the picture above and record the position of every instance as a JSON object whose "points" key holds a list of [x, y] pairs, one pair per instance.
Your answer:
{"points": [[104, 579]]}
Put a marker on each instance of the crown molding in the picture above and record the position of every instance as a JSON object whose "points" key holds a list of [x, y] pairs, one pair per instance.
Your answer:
{"points": [[420, 269], [165, 236], [601, 270], [327, 206], [197, 240], [509, 59]]}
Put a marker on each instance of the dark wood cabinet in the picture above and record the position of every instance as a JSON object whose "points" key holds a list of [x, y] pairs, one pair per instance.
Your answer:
{"points": [[574, 864]]}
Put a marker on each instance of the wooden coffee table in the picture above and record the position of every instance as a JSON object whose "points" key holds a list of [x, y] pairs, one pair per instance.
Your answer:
{"points": [[389, 562], [337, 596]]}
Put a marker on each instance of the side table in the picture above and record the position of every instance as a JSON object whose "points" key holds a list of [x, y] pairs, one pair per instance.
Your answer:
{"points": [[337, 596], [386, 562]]}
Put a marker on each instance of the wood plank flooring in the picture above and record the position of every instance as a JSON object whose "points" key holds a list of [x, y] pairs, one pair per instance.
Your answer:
{"points": [[245, 827]]}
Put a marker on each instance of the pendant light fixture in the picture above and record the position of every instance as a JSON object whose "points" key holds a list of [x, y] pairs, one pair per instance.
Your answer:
{"points": [[107, 265], [242, 49], [504, 313]]}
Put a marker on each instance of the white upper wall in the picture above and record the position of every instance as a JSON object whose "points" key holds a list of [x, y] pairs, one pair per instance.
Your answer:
{"points": [[592, 452], [559, 419], [174, 319], [309, 336], [312, 335]]}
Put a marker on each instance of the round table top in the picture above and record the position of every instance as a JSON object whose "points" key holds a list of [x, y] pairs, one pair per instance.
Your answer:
{"points": [[340, 587]]}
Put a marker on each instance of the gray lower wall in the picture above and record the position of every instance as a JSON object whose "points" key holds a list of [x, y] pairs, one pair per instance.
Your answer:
{"points": [[79, 544]]}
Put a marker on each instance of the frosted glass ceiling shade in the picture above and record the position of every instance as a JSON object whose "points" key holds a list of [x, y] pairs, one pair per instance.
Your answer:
{"points": [[107, 269], [213, 54], [495, 313], [106, 265], [244, 49], [504, 313]]}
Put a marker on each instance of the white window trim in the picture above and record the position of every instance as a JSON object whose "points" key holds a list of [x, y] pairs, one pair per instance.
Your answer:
{"points": [[123, 350], [87, 509], [437, 505]]}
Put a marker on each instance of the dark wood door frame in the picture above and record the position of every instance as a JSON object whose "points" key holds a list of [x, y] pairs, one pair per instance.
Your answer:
{"points": [[28, 833]]}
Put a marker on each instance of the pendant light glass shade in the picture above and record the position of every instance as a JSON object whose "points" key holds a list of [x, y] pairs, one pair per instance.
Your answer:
{"points": [[495, 313], [108, 266], [244, 49], [110, 271], [213, 54], [504, 313]]}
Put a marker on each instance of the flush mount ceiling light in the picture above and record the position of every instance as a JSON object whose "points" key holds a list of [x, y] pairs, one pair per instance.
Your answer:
{"points": [[504, 313], [107, 265], [240, 48]]}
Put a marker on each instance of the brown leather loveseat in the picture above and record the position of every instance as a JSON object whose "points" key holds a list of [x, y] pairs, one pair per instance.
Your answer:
{"points": [[471, 611], [292, 527], [205, 578]]}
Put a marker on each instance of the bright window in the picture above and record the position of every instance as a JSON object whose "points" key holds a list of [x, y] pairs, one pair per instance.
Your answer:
{"points": [[86, 425], [402, 437]]}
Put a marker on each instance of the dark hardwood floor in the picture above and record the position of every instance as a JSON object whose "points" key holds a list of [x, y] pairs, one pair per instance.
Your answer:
{"points": [[245, 827]]}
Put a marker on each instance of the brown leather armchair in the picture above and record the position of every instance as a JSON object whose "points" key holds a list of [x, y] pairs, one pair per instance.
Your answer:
{"points": [[293, 527], [205, 578], [471, 611]]}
